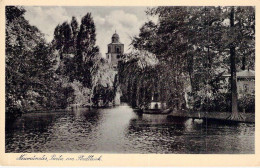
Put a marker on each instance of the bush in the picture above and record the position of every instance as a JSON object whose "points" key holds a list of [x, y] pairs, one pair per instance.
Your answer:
{"points": [[247, 103], [220, 102], [12, 113]]}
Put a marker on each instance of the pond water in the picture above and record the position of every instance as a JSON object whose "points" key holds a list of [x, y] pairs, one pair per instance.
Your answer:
{"points": [[121, 130]]}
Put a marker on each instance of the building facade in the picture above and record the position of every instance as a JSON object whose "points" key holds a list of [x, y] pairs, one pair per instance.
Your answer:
{"points": [[115, 50], [245, 82]]}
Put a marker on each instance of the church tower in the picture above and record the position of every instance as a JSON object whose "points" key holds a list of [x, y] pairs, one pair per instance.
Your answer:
{"points": [[115, 50]]}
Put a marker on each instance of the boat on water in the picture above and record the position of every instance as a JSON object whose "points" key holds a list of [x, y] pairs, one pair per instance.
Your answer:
{"points": [[156, 111], [156, 105], [156, 108]]}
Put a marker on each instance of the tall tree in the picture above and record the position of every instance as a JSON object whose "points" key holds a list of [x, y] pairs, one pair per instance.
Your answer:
{"points": [[63, 39], [86, 50], [21, 41], [75, 29], [30, 78], [233, 69], [193, 43]]}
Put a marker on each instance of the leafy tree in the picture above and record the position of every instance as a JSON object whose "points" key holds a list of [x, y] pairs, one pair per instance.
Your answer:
{"points": [[75, 29], [63, 39], [86, 50], [30, 77], [193, 44], [21, 41], [81, 66]]}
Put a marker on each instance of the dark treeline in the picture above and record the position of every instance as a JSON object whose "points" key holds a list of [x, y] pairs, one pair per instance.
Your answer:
{"points": [[46, 76], [194, 47]]}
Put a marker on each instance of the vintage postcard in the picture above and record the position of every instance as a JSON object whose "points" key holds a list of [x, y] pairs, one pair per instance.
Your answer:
{"points": [[124, 83]]}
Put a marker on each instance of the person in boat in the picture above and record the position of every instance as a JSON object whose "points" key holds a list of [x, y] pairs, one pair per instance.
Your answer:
{"points": [[156, 106]]}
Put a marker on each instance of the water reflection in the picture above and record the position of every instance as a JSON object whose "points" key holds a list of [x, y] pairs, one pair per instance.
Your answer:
{"points": [[120, 130]]}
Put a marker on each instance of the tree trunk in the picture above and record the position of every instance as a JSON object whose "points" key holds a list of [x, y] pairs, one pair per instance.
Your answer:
{"points": [[243, 62], [235, 114], [134, 93], [233, 80]]}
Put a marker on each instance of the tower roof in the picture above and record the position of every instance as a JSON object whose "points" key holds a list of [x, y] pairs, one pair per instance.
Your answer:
{"points": [[115, 35], [115, 38]]}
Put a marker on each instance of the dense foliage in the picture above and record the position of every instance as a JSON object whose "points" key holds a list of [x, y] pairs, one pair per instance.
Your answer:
{"points": [[80, 64], [31, 83], [42, 76], [193, 47]]}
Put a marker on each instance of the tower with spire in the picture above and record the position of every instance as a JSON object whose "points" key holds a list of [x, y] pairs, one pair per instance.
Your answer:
{"points": [[115, 50]]}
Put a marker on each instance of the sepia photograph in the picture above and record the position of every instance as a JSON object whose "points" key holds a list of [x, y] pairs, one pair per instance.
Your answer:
{"points": [[130, 79]]}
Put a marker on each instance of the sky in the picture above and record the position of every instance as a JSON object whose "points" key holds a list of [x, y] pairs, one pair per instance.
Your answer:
{"points": [[125, 20]]}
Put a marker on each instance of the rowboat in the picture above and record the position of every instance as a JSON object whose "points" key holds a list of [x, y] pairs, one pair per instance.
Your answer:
{"points": [[156, 111]]}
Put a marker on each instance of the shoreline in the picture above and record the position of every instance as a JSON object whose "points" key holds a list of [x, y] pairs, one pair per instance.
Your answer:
{"points": [[213, 116], [65, 109], [209, 116]]}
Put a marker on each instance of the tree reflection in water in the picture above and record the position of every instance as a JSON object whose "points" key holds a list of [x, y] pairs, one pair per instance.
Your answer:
{"points": [[120, 130]]}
